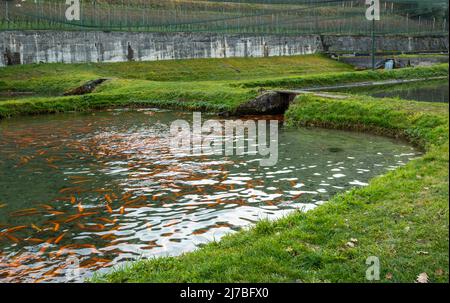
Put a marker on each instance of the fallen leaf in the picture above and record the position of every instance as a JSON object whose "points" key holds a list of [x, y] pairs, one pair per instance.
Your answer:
{"points": [[350, 244], [389, 276], [439, 272], [422, 278]]}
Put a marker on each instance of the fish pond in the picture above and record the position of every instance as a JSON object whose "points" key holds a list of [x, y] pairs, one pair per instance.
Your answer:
{"points": [[85, 192], [428, 91]]}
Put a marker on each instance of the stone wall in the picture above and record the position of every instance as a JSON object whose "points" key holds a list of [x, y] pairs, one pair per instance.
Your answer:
{"points": [[75, 46]]}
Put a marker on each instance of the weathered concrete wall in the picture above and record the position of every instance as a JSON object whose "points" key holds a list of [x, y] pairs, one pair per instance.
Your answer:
{"points": [[366, 61], [72, 47], [76, 46], [363, 44]]}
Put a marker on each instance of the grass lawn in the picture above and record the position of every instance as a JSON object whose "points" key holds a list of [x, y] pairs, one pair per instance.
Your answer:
{"points": [[214, 85], [401, 217], [56, 78]]}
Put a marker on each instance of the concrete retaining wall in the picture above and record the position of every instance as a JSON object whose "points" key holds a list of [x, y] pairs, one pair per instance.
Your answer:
{"points": [[24, 47], [364, 62], [363, 44], [73, 47]]}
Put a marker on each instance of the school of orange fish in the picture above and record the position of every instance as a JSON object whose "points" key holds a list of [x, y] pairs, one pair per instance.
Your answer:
{"points": [[106, 193], [84, 221]]}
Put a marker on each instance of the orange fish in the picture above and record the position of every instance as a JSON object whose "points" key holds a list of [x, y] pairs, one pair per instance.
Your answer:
{"points": [[56, 228], [297, 196], [108, 208], [94, 227], [25, 212], [141, 198], [80, 207], [106, 220], [56, 213], [100, 260], [72, 218], [199, 231], [35, 227], [34, 240], [101, 190], [12, 238], [70, 189], [108, 198], [220, 187], [59, 238], [13, 229], [80, 181], [108, 236], [47, 207], [174, 222]]}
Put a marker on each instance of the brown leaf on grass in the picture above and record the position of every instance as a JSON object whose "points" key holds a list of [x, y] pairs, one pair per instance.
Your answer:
{"points": [[422, 278], [389, 276], [439, 272]]}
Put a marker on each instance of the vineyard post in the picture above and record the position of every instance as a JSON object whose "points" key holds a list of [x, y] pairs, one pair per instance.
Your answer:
{"points": [[373, 14], [6, 11], [373, 44]]}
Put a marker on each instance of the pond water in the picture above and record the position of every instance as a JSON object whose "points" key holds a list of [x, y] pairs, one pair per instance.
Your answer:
{"points": [[429, 91], [99, 189]]}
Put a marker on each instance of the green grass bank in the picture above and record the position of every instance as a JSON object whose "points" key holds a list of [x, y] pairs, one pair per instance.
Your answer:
{"points": [[213, 85], [401, 217]]}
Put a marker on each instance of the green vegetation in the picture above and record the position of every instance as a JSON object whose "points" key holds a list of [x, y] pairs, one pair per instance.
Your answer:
{"points": [[57, 78], [439, 70], [401, 217], [253, 17], [206, 84], [192, 84]]}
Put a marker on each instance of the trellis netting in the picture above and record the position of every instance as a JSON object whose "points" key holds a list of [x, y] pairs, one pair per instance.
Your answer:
{"points": [[232, 16]]}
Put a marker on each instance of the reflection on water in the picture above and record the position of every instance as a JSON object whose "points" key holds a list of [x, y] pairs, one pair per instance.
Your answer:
{"points": [[429, 91], [104, 188]]}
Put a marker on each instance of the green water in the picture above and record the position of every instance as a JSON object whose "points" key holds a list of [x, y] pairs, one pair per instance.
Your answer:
{"points": [[428, 91], [104, 188]]}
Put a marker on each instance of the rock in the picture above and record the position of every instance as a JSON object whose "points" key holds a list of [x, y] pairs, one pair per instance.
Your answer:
{"points": [[268, 103], [86, 88]]}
